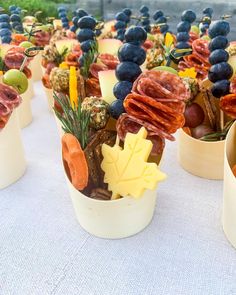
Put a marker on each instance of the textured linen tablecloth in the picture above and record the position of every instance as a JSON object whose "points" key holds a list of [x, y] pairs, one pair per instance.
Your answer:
{"points": [[43, 249]]}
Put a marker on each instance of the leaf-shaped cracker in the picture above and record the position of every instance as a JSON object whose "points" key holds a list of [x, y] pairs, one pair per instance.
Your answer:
{"points": [[126, 170]]}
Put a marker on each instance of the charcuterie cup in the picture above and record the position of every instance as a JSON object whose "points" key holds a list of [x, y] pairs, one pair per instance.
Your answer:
{"points": [[12, 161], [201, 158], [113, 219], [50, 99], [35, 66], [24, 110], [229, 201]]}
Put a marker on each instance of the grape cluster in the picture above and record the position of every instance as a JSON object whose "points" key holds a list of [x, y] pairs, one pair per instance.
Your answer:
{"points": [[183, 28], [5, 28], [220, 71], [15, 19], [131, 56], [122, 19], [206, 20], [145, 21], [63, 16], [86, 35], [77, 15], [159, 18]]}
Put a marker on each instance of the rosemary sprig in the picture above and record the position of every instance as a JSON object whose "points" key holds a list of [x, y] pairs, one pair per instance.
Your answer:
{"points": [[89, 58], [218, 135], [74, 120]]}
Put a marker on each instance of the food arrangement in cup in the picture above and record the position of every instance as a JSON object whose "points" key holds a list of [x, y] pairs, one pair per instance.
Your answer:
{"points": [[117, 110]]}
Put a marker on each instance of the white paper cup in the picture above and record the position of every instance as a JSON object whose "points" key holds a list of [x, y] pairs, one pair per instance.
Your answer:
{"points": [[50, 99], [229, 201], [12, 160], [201, 158], [24, 111], [59, 125], [113, 219], [35, 66]]}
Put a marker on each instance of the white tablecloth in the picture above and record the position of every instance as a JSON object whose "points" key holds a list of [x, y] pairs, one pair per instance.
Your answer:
{"points": [[43, 249]]}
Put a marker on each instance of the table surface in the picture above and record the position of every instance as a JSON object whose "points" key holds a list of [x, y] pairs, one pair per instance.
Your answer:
{"points": [[43, 249]]}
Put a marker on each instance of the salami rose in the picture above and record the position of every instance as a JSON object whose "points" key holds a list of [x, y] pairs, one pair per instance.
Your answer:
{"points": [[198, 59], [161, 85], [193, 36], [154, 112], [9, 97], [109, 60], [42, 38], [200, 47], [14, 58]]}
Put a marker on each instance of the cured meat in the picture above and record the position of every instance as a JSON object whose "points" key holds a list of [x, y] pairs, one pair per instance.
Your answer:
{"points": [[9, 99], [92, 87], [18, 38], [109, 60], [15, 57], [3, 120], [42, 38], [200, 47], [27, 72], [128, 123], [193, 36], [228, 105], [95, 68], [156, 113], [157, 102], [72, 58], [198, 59], [46, 81], [161, 85], [233, 85], [148, 44]]}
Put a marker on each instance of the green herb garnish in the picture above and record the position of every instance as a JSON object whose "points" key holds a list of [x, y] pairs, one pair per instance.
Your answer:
{"points": [[221, 135], [89, 58], [74, 120]]}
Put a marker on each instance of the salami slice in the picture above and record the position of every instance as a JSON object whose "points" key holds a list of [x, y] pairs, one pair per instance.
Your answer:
{"points": [[9, 97], [200, 46], [14, 58], [154, 112], [92, 87], [198, 59], [233, 85], [193, 36], [128, 123], [27, 72], [228, 105], [109, 60], [3, 120], [42, 38], [46, 81], [95, 68], [161, 85]]}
